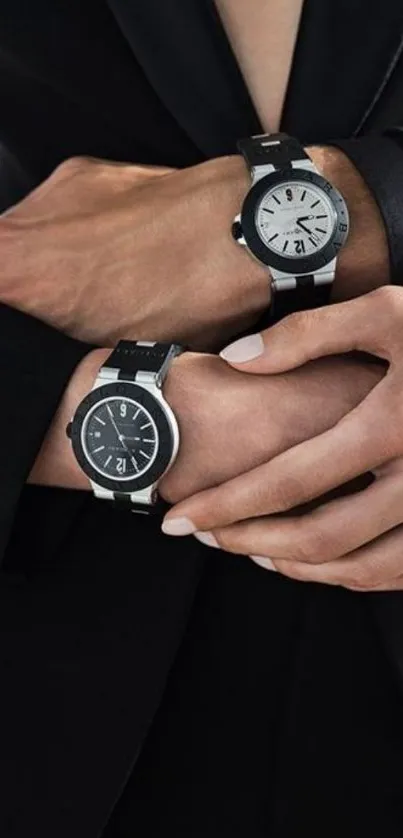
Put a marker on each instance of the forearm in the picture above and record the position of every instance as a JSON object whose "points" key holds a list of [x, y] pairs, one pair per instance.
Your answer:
{"points": [[212, 405]]}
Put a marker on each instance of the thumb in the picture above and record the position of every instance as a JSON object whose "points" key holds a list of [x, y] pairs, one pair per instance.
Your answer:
{"points": [[302, 337]]}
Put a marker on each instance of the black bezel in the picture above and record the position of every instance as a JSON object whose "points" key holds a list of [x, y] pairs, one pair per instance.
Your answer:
{"points": [[165, 437], [308, 264]]}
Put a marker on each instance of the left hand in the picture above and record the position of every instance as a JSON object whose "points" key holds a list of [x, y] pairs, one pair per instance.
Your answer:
{"points": [[355, 541]]}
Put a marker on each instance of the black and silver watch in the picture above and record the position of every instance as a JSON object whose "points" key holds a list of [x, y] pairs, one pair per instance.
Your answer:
{"points": [[124, 434], [292, 220]]}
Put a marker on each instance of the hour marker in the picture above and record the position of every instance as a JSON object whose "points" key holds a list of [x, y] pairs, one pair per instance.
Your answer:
{"points": [[315, 204], [101, 421], [107, 461], [285, 246], [134, 463], [136, 414], [147, 456], [267, 210], [273, 237], [321, 216], [319, 230], [148, 440], [313, 241], [101, 448], [303, 195], [276, 199], [147, 425]]}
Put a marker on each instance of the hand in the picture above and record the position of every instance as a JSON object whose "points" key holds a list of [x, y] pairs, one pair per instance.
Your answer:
{"points": [[229, 421], [105, 251], [356, 541]]}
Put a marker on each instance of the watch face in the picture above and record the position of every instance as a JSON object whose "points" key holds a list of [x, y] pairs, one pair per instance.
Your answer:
{"points": [[120, 438], [295, 219]]}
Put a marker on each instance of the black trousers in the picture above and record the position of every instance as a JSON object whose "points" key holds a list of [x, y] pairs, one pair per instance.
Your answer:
{"points": [[281, 719]]}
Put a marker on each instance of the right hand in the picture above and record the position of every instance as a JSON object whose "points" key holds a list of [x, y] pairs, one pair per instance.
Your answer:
{"points": [[229, 421], [105, 251]]}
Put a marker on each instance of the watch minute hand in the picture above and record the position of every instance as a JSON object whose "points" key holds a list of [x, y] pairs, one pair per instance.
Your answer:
{"points": [[300, 224]]}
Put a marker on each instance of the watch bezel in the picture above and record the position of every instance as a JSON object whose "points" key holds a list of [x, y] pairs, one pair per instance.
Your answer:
{"points": [[163, 422], [293, 266]]}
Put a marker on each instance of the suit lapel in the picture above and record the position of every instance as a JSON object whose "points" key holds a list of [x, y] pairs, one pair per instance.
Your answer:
{"points": [[345, 55], [186, 57]]}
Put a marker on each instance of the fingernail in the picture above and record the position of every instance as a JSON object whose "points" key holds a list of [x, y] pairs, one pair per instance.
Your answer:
{"points": [[178, 526], [244, 349], [264, 562], [207, 538]]}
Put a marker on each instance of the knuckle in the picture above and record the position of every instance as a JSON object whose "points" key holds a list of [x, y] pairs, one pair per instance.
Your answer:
{"points": [[288, 491], [71, 165], [293, 570], [224, 540], [298, 324], [362, 578], [315, 544], [390, 298]]}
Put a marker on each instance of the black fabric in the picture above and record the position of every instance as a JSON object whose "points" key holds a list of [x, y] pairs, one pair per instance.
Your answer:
{"points": [[93, 603], [273, 723]]}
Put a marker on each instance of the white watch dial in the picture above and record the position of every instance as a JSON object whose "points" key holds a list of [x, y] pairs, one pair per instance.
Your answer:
{"points": [[295, 219]]}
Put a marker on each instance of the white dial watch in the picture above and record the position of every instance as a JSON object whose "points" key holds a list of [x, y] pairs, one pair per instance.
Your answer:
{"points": [[292, 220]]}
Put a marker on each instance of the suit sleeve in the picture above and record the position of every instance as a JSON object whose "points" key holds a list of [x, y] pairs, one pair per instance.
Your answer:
{"points": [[379, 159], [36, 363]]}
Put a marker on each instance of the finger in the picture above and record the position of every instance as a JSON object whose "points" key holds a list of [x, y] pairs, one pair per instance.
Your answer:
{"points": [[392, 585], [328, 533], [375, 565], [360, 442], [364, 324]]}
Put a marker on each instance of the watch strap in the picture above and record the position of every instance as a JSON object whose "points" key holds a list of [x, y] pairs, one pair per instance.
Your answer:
{"points": [[277, 150], [137, 361], [304, 296], [132, 358]]}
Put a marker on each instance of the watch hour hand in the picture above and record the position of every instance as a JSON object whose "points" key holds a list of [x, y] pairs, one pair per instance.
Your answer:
{"points": [[300, 224], [120, 437]]}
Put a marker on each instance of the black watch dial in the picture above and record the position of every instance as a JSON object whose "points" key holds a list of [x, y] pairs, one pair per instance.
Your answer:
{"points": [[295, 219], [120, 438]]}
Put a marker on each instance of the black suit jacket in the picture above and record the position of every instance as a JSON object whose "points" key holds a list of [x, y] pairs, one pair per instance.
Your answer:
{"points": [[93, 603]]}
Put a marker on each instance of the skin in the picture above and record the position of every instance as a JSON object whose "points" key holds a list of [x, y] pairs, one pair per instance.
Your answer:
{"points": [[355, 541], [80, 253], [104, 251], [229, 421]]}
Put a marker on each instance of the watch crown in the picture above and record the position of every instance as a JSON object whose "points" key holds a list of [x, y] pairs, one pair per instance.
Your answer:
{"points": [[68, 430], [237, 231]]}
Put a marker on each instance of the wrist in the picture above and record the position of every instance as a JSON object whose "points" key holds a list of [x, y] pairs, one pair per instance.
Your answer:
{"points": [[363, 264], [254, 277], [56, 464]]}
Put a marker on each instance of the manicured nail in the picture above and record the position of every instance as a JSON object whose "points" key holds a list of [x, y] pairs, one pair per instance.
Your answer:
{"points": [[178, 526], [244, 349], [264, 562], [207, 538]]}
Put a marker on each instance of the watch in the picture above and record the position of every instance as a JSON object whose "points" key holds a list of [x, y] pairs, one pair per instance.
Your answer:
{"points": [[293, 221], [124, 434]]}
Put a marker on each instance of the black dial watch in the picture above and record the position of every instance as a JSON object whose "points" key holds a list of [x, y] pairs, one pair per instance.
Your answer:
{"points": [[124, 434], [292, 220]]}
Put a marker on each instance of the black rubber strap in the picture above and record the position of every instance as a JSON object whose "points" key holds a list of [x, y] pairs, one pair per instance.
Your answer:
{"points": [[123, 502], [280, 150], [305, 296], [131, 357]]}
